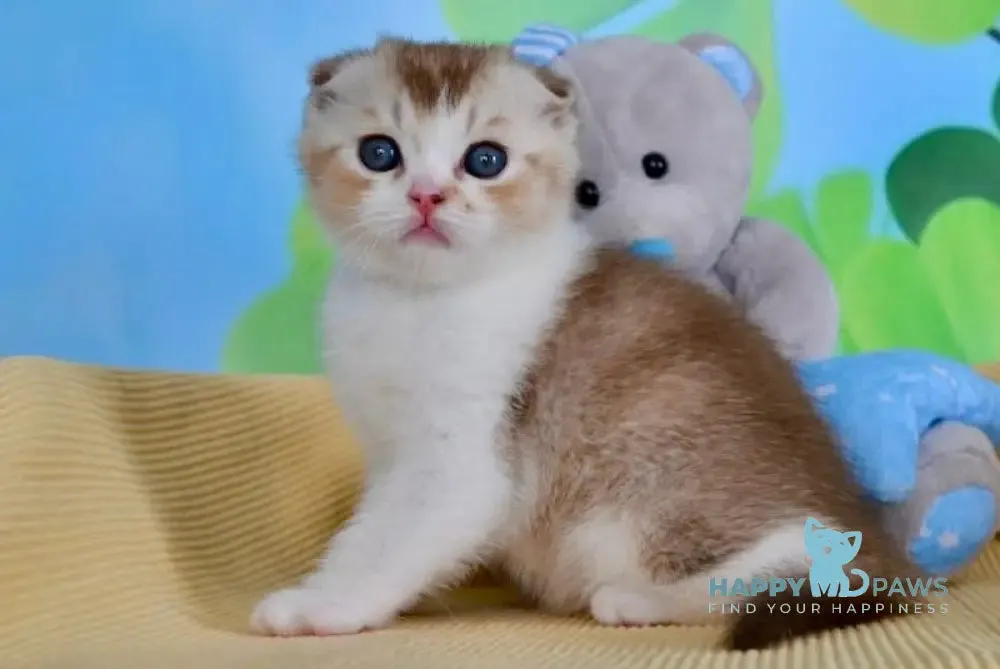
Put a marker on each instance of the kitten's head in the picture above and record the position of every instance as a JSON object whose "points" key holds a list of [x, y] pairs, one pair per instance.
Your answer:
{"points": [[426, 161]]}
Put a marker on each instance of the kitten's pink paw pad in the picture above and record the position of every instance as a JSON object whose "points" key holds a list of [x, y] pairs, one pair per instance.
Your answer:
{"points": [[309, 611], [625, 607]]}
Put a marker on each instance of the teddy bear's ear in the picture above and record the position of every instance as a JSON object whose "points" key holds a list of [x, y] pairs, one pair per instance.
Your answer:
{"points": [[542, 43], [732, 63]]}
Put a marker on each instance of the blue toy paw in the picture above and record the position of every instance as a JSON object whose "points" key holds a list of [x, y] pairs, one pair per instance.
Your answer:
{"points": [[954, 530], [881, 404], [654, 248]]}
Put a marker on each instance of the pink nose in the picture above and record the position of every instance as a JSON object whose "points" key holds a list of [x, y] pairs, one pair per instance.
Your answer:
{"points": [[425, 199]]}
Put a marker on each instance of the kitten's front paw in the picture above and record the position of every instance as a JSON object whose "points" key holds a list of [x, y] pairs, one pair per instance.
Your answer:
{"points": [[304, 610]]}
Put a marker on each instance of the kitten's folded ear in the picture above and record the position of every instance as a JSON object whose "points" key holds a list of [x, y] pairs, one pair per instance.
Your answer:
{"points": [[542, 46], [560, 108], [321, 72], [321, 75], [560, 87]]}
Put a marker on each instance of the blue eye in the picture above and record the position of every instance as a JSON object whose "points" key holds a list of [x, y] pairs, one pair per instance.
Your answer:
{"points": [[379, 153], [485, 160]]}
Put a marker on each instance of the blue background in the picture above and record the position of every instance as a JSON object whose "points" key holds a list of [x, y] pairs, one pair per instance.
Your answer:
{"points": [[146, 172]]}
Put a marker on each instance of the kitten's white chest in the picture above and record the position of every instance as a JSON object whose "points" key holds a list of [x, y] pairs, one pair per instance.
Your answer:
{"points": [[403, 362], [377, 339]]}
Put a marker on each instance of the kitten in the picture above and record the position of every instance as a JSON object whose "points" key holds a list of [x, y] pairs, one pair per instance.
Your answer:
{"points": [[610, 433]]}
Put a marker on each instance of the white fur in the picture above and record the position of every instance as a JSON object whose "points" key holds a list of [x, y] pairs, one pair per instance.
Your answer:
{"points": [[630, 601], [424, 376], [561, 575], [425, 345]]}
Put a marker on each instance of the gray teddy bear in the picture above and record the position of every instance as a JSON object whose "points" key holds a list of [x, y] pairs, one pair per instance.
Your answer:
{"points": [[671, 164], [666, 148]]}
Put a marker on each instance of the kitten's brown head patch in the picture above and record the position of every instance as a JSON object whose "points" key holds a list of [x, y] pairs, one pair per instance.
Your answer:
{"points": [[432, 73]]}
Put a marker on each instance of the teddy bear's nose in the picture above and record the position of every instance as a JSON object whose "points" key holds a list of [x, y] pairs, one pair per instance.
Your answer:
{"points": [[655, 248]]}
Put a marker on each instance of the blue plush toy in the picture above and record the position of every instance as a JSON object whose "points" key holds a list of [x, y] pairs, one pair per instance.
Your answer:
{"points": [[918, 431]]}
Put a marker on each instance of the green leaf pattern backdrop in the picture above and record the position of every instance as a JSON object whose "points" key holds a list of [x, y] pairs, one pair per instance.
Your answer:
{"points": [[932, 281]]}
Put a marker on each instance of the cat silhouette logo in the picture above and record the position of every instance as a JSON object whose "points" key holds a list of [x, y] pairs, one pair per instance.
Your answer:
{"points": [[831, 551]]}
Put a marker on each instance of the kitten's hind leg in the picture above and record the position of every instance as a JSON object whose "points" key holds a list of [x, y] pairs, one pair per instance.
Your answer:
{"points": [[691, 601], [631, 605]]}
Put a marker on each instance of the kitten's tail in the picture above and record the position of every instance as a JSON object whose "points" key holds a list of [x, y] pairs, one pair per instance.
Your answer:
{"points": [[769, 620]]}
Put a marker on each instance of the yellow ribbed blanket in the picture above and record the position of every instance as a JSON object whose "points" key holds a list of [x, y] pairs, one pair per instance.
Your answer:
{"points": [[143, 514]]}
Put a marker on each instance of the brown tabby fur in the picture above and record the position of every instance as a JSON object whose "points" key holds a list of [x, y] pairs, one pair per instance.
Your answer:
{"points": [[658, 398]]}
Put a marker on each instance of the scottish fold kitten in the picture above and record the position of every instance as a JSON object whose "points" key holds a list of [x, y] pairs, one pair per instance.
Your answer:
{"points": [[609, 433]]}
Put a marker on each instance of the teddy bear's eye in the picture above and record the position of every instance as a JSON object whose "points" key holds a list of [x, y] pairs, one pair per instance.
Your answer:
{"points": [[588, 195], [655, 165]]}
